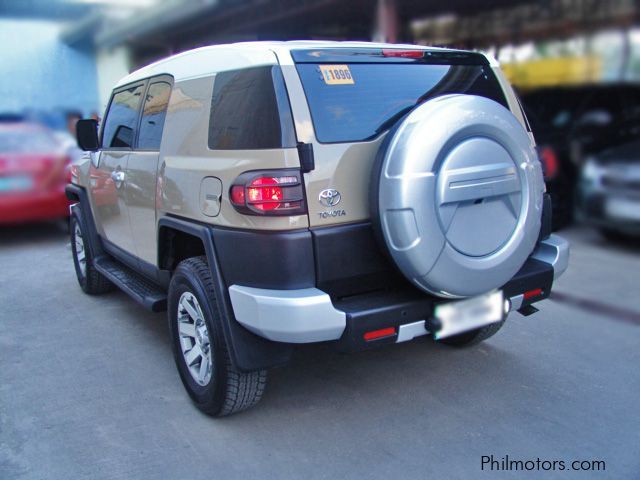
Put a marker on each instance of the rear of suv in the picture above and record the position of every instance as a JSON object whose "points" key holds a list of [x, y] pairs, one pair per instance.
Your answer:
{"points": [[272, 194]]}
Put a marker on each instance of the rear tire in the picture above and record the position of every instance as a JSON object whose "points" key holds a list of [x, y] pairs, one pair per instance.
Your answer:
{"points": [[473, 337], [217, 388], [91, 280]]}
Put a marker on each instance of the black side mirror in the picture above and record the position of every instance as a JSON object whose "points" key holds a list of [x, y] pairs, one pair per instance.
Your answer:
{"points": [[87, 135]]}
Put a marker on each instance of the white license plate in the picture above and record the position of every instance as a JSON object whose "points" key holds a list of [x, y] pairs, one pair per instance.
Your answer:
{"points": [[15, 184], [623, 209], [464, 315]]}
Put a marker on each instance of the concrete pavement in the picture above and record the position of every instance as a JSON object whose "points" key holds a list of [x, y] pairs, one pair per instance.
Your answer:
{"points": [[89, 390]]}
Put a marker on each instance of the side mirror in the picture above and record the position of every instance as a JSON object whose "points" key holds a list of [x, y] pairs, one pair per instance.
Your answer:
{"points": [[87, 135]]}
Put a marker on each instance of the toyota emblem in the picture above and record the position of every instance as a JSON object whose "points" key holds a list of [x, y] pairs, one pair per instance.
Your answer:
{"points": [[329, 197]]}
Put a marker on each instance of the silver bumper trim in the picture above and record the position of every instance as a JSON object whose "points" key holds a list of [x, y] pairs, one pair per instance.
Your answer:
{"points": [[516, 302], [554, 251], [307, 315], [409, 331], [294, 316]]}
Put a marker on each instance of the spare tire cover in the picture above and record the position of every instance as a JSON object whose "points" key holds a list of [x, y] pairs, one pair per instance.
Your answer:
{"points": [[459, 195]]}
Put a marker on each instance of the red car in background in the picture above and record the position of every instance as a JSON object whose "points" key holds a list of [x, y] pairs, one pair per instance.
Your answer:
{"points": [[34, 170]]}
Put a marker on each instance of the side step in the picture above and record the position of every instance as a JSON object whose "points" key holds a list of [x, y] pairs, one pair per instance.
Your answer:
{"points": [[133, 284]]}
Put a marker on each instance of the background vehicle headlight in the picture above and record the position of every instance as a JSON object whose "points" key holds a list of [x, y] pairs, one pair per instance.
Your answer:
{"points": [[592, 173]]}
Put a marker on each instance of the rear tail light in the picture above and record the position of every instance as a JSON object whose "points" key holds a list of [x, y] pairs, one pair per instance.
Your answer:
{"points": [[274, 192], [56, 173], [549, 161], [392, 52]]}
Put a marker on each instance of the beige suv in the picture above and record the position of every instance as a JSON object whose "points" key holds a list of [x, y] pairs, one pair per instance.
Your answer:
{"points": [[273, 194]]}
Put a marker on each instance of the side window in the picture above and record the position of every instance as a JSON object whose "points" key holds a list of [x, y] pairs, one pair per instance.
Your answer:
{"points": [[120, 122], [244, 111], [155, 110]]}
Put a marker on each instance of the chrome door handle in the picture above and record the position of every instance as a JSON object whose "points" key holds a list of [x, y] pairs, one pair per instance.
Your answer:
{"points": [[118, 177]]}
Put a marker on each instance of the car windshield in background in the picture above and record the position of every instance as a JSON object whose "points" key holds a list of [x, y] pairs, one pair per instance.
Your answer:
{"points": [[27, 140], [357, 102]]}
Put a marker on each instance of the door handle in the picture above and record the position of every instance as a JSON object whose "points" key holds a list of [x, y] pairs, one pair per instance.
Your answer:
{"points": [[118, 177]]}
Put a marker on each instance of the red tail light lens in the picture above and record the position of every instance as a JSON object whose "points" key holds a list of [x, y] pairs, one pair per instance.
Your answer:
{"points": [[265, 193], [391, 52], [237, 195], [549, 161], [268, 193]]}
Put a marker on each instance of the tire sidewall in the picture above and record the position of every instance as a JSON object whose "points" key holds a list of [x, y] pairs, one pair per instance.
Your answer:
{"points": [[186, 279]]}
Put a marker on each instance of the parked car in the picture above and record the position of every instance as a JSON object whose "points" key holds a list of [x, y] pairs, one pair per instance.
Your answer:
{"points": [[609, 192], [273, 194], [34, 171], [573, 122]]}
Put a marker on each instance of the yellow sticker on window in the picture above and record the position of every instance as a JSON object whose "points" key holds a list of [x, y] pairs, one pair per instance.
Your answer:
{"points": [[336, 74]]}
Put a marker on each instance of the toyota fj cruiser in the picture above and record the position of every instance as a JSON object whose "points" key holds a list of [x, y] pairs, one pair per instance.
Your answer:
{"points": [[272, 194]]}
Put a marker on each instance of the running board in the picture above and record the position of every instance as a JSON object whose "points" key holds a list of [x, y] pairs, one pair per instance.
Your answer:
{"points": [[133, 284]]}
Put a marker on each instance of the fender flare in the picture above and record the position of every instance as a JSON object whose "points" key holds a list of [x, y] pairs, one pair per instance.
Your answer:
{"points": [[82, 208], [248, 351]]}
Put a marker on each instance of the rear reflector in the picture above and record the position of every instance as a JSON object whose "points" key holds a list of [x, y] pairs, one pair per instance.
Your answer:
{"points": [[532, 293], [383, 332], [402, 53]]}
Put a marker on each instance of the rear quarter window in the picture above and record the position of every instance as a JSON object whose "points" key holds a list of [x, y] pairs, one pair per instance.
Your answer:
{"points": [[153, 116], [382, 92], [250, 110]]}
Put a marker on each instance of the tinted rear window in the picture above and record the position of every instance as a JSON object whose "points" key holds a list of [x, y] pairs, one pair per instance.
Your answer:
{"points": [[153, 115], [382, 92], [249, 110]]}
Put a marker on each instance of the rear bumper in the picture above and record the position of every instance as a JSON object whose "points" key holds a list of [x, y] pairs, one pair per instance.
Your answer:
{"points": [[553, 251], [31, 207], [310, 315]]}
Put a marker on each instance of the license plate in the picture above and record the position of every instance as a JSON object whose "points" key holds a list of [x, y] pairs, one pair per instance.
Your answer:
{"points": [[464, 315], [623, 209], [15, 184]]}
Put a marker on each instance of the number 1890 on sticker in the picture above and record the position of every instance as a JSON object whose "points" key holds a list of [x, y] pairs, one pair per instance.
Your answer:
{"points": [[336, 74]]}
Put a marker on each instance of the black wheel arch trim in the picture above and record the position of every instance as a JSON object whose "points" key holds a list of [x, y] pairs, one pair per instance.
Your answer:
{"points": [[248, 351], [82, 207]]}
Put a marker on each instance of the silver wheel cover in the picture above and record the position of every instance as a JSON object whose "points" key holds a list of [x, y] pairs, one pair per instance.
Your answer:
{"points": [[460, 196], [79, 251], [195, 342]]}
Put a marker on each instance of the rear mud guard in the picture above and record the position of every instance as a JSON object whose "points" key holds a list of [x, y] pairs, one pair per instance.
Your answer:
{"points": [[248, 351]]}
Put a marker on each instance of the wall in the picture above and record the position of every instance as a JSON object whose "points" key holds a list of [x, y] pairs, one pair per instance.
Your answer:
{"points": [[40, 72], [112, 65]]}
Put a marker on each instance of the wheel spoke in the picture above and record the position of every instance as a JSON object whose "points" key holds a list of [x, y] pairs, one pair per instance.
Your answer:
{"points": [[187, 329], [204, 366], [79, 250], [192, 355], [193, 313]]}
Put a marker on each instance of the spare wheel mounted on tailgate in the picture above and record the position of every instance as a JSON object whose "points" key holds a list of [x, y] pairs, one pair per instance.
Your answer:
{"points": [[457, 195]]}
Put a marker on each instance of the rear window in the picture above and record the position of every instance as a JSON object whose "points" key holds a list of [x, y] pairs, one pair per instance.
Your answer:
{"points": [[381, 93], [26, 141]]}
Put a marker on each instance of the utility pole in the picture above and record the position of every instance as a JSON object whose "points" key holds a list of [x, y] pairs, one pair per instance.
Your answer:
{"points": [[387, 26]]}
